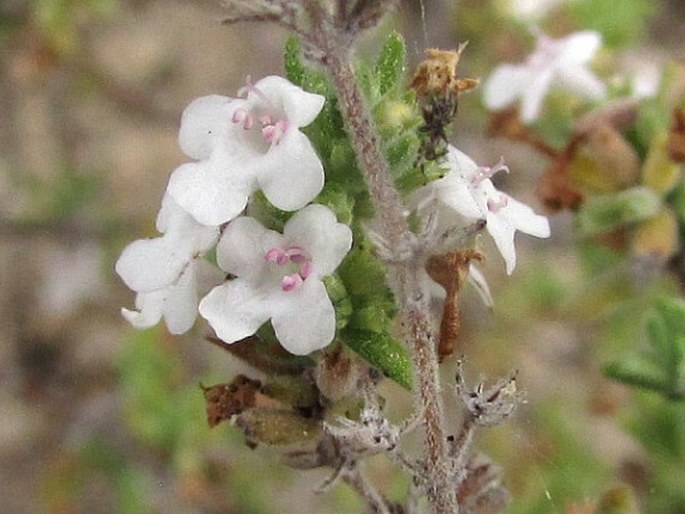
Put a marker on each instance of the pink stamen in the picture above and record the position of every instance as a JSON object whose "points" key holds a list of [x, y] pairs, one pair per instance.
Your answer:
{"points": [[496, 205], [242, 116], [305, 269], [274, 133], [291, 282], [296, 254], [239, 115], [486, 172]]}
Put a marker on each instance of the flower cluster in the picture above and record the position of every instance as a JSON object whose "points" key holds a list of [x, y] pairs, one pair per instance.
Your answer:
{"points": [[241, 145]]}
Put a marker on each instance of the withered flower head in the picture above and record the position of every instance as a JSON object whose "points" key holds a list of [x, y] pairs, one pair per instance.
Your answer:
{"points": [[437, 74]]}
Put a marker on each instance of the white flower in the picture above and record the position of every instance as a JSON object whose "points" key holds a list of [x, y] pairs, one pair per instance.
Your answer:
{"points": [[468, 190], [555, 62], [242, 145], [279, 278], [168, 272]]}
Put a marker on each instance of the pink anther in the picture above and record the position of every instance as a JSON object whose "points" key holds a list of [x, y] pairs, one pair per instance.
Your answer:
{"points": [[296, 254], [291, 282], [276, 256], [274, 133], [305, 269], [242, 116], [496, 205]]}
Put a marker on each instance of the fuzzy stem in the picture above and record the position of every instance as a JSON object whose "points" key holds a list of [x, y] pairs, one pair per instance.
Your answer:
{"points": [[394, 230], [371, 496]]}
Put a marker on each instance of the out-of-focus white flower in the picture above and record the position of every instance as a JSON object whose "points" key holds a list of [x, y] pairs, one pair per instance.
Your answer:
{"points": [[242, 145], [168, 272], [279, 277], [468, 190], [530, 10], [555, 62]]}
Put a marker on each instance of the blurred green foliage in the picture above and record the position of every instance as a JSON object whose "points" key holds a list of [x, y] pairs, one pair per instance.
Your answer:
{"points": [[621, 23]]}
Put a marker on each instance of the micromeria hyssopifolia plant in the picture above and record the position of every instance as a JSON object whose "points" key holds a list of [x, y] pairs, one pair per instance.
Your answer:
{"points": [[333, 206]]}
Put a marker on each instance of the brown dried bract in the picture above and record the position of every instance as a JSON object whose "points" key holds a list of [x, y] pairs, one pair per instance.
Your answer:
{"points": [[450, 270], [676, 136], [507, 124], [437, 75], [554, 188], [227, 400]]}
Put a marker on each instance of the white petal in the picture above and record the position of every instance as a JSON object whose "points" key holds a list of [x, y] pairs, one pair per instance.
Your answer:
{"points": [[150, 264], [236, 309], [502, 234], [505, 85], [180, 305], [149, 310], [306, 321], [176, 303], [459, 161], [209, 191], [299, 106], [534, 95], [579, 47], [316, 229], [523, 218], [243, 247], [454, 191], [203, 123], [581, 81], [182, 230], [291, 174]]}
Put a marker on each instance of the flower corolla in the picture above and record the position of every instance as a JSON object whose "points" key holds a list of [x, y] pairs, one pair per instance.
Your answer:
{"points": [[467, 189], [168, 272], [245, 144], [555, 62], [279, 278]]}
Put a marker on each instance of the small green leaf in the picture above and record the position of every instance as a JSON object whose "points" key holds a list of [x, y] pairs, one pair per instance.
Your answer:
{"points": [[370, 317], [604, 213], [382, 351], [637, 378], [390, 64], [336, 199]]}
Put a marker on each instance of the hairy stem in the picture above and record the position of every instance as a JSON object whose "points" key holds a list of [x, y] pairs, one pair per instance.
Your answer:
{"points": [[371, 496], [393, 229]]}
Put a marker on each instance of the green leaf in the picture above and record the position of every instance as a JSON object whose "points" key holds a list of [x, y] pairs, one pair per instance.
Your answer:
{"points": [[637, 378], [391, 63], [604, 213], [372, 317], [382, 351], [662, 368]]}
